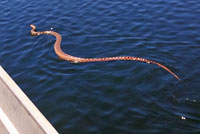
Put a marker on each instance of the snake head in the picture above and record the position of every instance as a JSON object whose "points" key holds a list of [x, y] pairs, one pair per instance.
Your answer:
{"points": [[33, 30], [33, 27]]}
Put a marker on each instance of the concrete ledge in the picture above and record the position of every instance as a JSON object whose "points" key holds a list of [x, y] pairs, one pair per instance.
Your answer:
{"points": [[18, 115]]}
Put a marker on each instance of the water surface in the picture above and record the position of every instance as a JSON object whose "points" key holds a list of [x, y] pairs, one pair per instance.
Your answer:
{"points": [[120, 97]]}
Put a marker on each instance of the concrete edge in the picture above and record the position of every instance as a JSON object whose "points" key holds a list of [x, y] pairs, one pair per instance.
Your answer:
{"points": [[35, 114]]}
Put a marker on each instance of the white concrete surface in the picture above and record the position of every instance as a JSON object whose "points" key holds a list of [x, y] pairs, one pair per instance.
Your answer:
{"points": [[18, 115], [7, 126]]}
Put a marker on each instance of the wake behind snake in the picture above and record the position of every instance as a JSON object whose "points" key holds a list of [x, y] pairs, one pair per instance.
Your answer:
{"points": [[74, 59]]}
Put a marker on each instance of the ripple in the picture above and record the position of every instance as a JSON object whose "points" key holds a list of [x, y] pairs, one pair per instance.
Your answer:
{"points": [[107, 97]]}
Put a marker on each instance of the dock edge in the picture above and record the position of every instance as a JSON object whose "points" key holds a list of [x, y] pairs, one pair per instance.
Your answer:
{"points": [[17, 113]]}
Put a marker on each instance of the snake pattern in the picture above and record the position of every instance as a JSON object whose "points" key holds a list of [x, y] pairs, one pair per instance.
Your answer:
{"points": [[74, 59]]}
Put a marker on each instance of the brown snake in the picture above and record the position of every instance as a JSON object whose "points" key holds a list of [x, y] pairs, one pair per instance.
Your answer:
{"points": [[74, 59]]}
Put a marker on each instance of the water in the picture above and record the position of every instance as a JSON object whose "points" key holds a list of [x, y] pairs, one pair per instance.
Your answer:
{"points": [[120, 97]]}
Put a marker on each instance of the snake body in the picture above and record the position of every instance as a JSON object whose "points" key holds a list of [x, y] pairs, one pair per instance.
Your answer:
{"points": [[74, 59]]}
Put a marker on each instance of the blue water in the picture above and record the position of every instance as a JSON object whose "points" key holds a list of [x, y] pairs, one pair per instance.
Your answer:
{"points": [[120, 97]]}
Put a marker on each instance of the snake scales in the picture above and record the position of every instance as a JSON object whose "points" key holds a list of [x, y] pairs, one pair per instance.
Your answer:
{"points": [[74, 59]]}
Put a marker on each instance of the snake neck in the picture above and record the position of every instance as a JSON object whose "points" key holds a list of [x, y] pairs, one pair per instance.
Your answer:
{"points": [[57, 47]]}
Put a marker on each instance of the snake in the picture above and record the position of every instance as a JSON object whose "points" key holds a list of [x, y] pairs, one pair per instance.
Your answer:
{"points": [[64, 56]]}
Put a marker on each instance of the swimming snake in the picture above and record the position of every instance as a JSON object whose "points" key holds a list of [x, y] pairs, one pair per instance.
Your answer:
{"points": [[74, 59]]}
